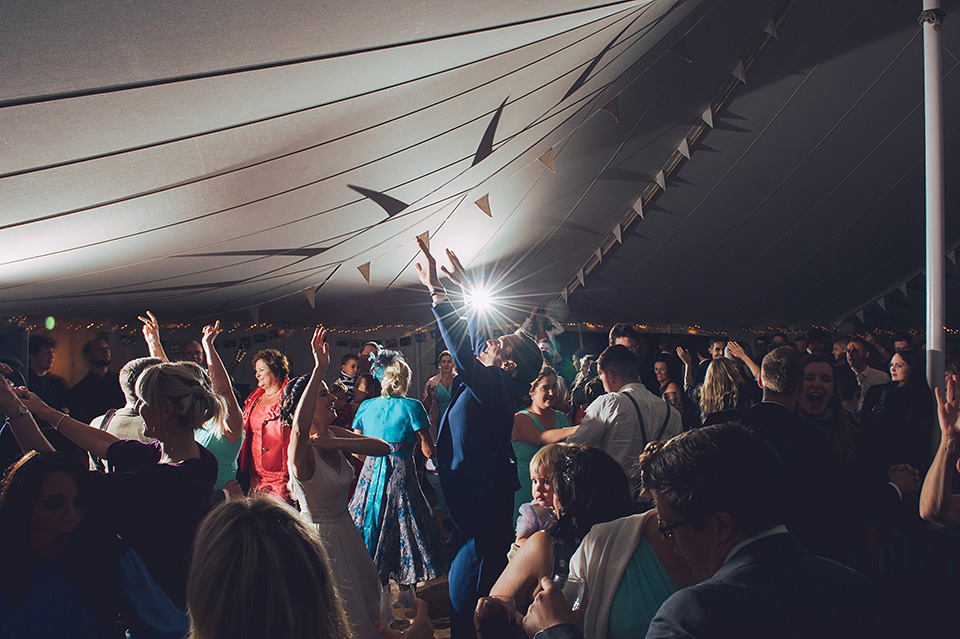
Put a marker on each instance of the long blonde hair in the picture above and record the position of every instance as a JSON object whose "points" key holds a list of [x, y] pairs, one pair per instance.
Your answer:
{"points": [[723, 380], [259, 571]]}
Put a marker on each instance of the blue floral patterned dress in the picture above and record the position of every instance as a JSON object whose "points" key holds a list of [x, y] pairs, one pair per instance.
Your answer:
{"points": [[388, 505]]}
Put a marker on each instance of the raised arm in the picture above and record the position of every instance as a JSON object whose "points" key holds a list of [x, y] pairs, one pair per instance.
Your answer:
{"points": [[737, 351], [300, 453], [937, 504], [555, 327], [233, 425], [687, 358], [23, 425], [457, 334], [91, 439], [871, 339], [151, 334]]}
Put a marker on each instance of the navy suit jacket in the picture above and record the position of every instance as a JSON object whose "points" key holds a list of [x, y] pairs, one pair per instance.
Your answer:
{"points": [[773, 587], [475, 459]]}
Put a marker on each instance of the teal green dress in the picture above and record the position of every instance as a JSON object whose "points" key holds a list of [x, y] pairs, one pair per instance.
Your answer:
{"points": [[443, 398], [210, 437], [644, 586], [525, 453]]}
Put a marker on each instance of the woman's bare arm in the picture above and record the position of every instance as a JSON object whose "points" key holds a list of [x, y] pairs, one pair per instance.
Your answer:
{"points": [[24, 426], [351, 442], [533, 560], [233, 425], [300, 453], [151, 334], [91, 439], [525, 431]]}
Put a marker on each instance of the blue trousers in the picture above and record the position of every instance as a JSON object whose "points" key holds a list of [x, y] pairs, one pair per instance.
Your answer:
{"points": [[479, 557]]}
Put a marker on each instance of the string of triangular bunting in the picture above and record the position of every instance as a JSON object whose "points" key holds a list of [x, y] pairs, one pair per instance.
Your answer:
{"points": [[393, 206]]}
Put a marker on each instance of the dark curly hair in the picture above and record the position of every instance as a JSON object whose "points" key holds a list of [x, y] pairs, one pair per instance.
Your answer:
{"points": [[591, 488], [291, 397]]}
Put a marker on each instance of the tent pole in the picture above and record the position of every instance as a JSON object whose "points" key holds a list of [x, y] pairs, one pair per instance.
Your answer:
{"points": [[931, 19]]}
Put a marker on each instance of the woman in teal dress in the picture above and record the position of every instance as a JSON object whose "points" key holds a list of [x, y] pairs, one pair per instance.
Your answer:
{"points": [[535, 427], [223, 440], [437, 393], [388, 505], [629, 568]]}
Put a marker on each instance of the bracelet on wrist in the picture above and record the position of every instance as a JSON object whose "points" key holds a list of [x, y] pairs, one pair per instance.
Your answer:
{"points": [[57, 425]]}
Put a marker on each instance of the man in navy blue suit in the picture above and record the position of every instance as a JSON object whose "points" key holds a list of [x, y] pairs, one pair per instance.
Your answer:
{"points": [[717, 491], [475, 460]]}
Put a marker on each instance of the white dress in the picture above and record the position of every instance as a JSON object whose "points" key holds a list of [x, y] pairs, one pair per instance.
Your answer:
{"points": [[323, 505]]}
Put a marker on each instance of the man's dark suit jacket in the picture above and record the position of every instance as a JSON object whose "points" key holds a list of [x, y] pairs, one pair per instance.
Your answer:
{"points": [[772, 588], [812, 491], [475, 460]]}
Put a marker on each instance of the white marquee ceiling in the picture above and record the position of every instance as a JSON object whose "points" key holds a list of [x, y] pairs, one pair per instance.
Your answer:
{"points": [[202, 159]]}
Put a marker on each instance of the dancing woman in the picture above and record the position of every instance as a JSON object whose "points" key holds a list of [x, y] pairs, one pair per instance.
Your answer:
{"points": [[320, 478]]}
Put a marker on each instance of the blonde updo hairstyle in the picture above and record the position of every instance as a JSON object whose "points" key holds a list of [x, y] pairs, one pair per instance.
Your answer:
{"points": [[259, 571], [396, 379], [187, 387]]}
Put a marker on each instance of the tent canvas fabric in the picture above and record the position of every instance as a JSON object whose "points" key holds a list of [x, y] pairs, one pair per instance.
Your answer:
{"points": [[715, 164]]}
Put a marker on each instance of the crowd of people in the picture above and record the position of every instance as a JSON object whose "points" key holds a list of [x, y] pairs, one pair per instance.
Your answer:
{"points": [[701, 488]]}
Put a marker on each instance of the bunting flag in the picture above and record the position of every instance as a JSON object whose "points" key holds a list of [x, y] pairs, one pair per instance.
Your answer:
{"points": [[882, 303], [952, 256], [486, 144], [564, 294], [684, 148], [547, 160], [661, 180], [738, 72], [365, 271], [311, 293], [255, 313], [580, 277], [707, 116], [599, 255], [638, 207], [484, 204], [391, 205], [617, 233], [903, 289], [680, 48], [860, 315], [771, 28], [423, 237], [613, 108]]}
